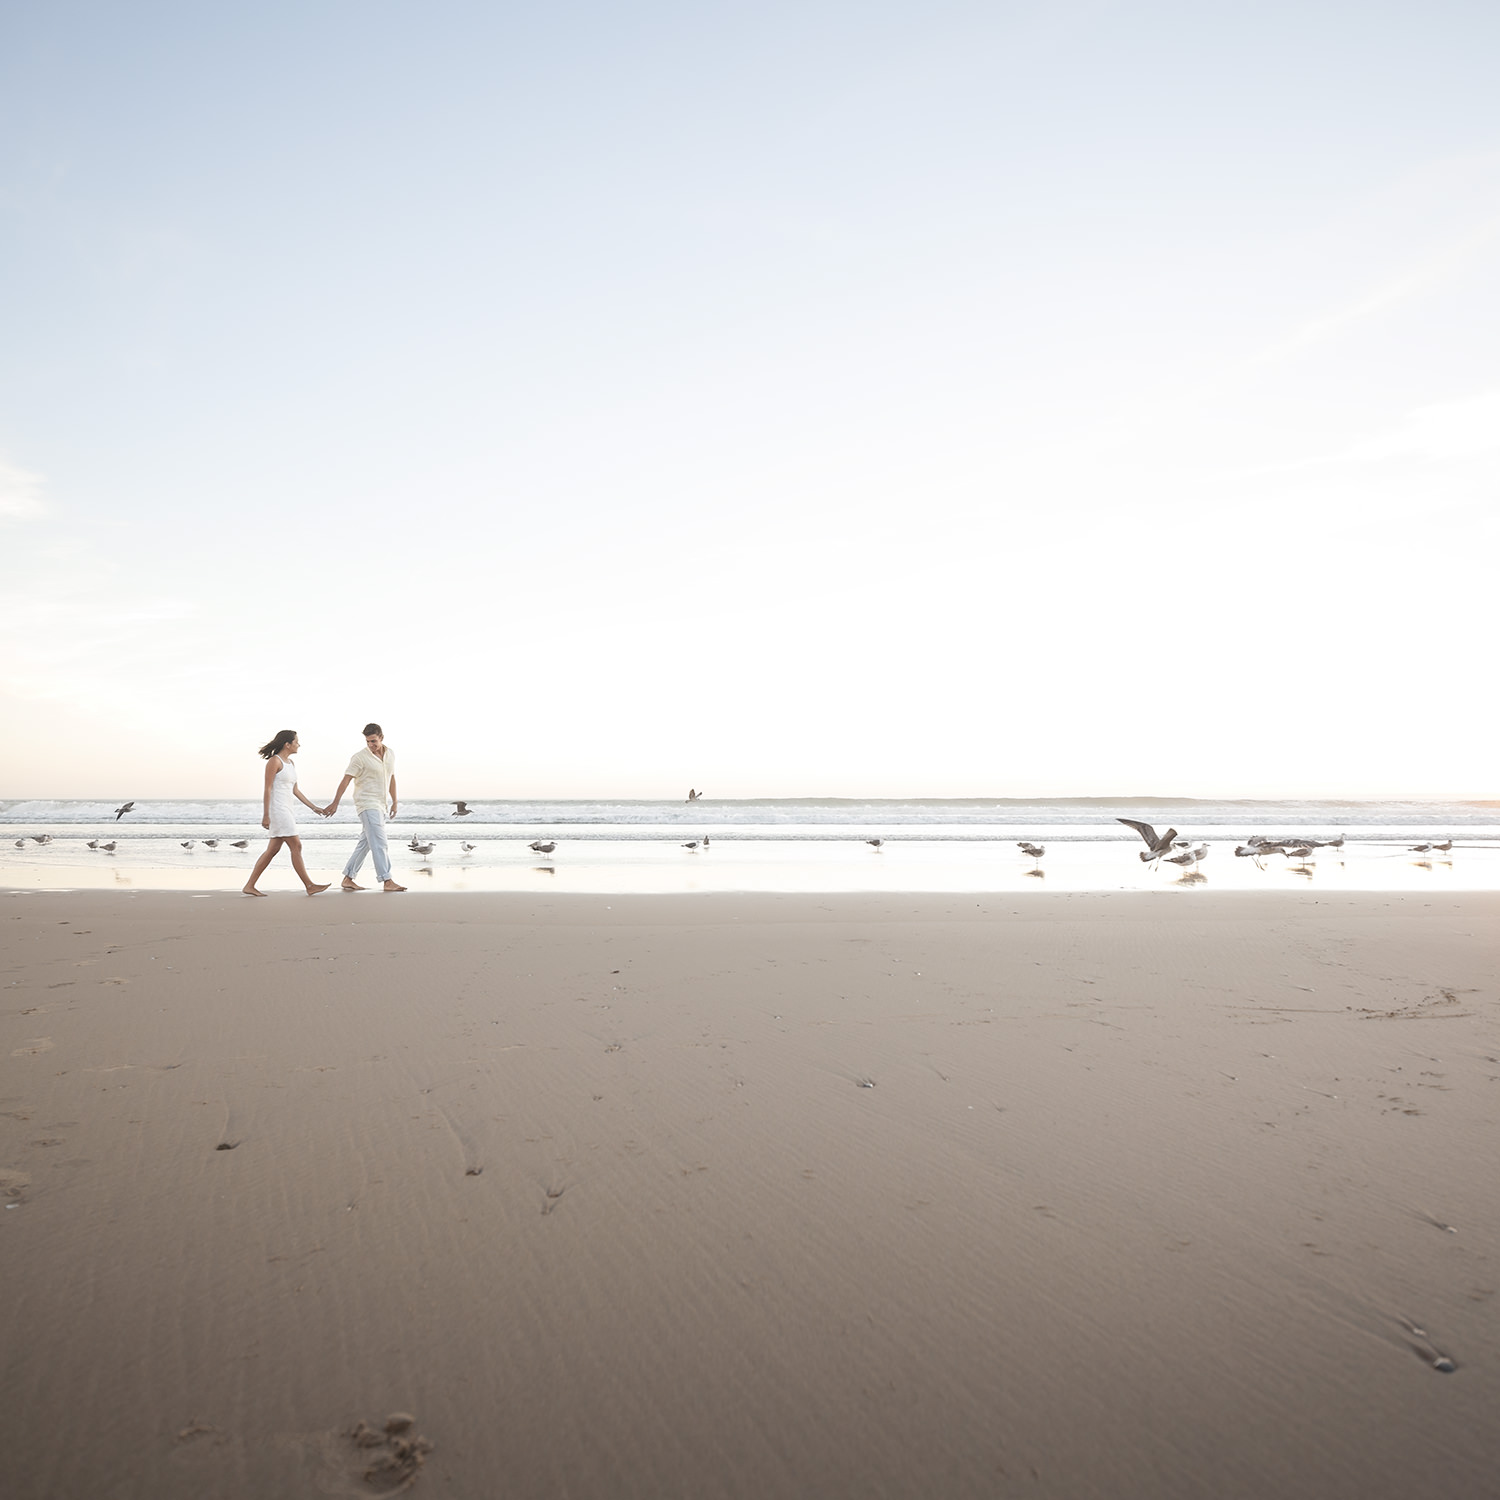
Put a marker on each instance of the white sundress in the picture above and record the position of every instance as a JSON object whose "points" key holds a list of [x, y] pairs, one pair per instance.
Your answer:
{"points": [[283, 808]]}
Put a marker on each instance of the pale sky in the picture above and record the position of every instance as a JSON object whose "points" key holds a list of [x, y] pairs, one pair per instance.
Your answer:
{"points": [[823, 398]]}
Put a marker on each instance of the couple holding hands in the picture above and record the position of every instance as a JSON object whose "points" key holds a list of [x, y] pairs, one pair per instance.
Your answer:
{"points": [[373, 773]]}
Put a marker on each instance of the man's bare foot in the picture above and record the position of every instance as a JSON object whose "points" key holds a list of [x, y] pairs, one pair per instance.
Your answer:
{"points": [[391, 885], [316, 890], [349, 885], [251, 891]]}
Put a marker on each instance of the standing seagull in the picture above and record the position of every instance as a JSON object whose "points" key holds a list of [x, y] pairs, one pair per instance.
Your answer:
{"points": [[460, 810], [121, 811], [874, 843], [188, 845], [542, 848], [46, 838], [423, 849], [1036, 851], [210, 843], [1156, 845]]}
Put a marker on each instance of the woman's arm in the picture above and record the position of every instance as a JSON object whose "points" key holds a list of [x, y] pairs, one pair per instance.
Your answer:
{"points": [[272, 767], [297, 793]]}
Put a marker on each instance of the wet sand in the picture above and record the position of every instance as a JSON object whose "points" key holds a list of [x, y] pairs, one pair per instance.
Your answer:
{"points": [[1064, 1195]]}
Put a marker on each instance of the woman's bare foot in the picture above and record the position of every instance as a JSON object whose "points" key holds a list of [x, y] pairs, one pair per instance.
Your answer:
{"points": [[316, 890], [349, 885], [391, 885], [251, 891]]}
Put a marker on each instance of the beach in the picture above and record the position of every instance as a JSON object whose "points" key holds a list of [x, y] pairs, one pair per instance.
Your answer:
{"points": [[1076, 1194]]}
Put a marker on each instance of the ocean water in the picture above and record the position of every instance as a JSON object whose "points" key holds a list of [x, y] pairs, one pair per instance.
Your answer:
{"points": [[764, 817], [802, 844]]}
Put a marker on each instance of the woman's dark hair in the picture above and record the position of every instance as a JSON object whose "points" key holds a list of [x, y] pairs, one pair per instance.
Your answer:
{"points": [[373, 729], [274, 745]]}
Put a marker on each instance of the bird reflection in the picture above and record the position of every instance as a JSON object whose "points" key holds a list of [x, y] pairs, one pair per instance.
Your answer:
{"points": [[545, 869], [1192, 877], [1036, 874]]}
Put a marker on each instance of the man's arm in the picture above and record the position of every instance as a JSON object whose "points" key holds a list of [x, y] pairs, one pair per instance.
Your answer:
{"points": [[333, 806], [393, 794]]}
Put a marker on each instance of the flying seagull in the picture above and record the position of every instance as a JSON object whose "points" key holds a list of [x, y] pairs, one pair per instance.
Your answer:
{"points": [[1156, 845], [692, 795], [121, 811], [460, 810]]}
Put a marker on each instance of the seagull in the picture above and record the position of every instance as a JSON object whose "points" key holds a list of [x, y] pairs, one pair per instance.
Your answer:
{"points": [[1443, 847], [20, 843], [423, 849], [1184, 859], [1419, 848], [693, 796], [693, 845], [108, 848], [46, 838], [1200, 854], [1156, 846], [874, 843], [121, 811], [413, 845], [1254, 850], [210, 843], [1036, 851], [705, 841], [542, 848], [460, 810], [93, 843], [188, 844], [240, 844], [1298, 851], [467, 847]]}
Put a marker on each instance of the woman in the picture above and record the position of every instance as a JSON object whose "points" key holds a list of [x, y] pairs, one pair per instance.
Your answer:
{"points": [[280, 816]]}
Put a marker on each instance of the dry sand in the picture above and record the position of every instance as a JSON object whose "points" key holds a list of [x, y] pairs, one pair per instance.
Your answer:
{"points": [[1050, 1195]]}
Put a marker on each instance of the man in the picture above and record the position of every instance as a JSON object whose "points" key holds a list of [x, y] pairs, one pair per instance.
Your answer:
{"points": [[373, 772]]}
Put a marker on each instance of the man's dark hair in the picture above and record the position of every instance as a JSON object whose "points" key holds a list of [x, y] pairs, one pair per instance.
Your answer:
{"points": [[373, 729]]}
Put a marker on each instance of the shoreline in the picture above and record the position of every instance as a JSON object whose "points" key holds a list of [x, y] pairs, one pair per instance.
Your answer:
{"points": [[1086, 1195]]}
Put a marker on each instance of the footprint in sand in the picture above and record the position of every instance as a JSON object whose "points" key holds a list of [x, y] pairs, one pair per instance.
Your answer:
{"points": [[363, 1460], [13, 1185]]}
